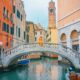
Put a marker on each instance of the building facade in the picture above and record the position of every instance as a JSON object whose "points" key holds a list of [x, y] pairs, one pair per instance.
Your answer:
{"points": [[69, 23], [6, 23], [52, 33], [30, 32], [40, 33], [34, 32], [19, 18]]}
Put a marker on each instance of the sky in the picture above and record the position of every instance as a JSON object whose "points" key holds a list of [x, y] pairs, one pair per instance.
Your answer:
{"points": [[37, 11]]}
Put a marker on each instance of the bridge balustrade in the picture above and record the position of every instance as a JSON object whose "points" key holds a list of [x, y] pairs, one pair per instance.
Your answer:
{"points": [[59, 49]]}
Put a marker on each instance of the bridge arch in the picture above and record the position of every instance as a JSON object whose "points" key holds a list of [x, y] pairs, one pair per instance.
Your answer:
{"points": [[36, 52], [53, 48]]}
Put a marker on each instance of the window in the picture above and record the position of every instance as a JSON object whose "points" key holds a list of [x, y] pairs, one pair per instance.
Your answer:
{"points": [[7, 28], [7, 40], [4, 27], [35, 39], [6, 43], [51, 10], [27, 38], [18, 32], [14, 9], [12, 30], [24, 34], [21, 17], [28, 28], [7, 14], [4, 12], [11, 17], [47, 35], [18, 14], [75, 47]]}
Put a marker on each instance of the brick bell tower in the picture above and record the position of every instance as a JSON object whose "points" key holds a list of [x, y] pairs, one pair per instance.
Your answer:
{"points": [[52, 16], [52, 29]]}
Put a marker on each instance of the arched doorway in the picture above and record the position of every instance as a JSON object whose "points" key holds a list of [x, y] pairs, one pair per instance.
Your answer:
{"points": [[74, 40], [63, 39]]}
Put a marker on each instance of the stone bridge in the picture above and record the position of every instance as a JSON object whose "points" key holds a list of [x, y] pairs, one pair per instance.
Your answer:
{"points": [[10, 55]]}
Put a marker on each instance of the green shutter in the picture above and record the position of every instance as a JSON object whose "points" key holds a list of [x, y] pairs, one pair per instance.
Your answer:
{"points": [[13, 9], [18, 32], [4, 27], [7, 28], [12, 30]]}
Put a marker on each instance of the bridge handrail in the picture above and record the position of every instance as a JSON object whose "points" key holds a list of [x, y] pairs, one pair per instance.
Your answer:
{"points": [[44, 43], [65, 47]]}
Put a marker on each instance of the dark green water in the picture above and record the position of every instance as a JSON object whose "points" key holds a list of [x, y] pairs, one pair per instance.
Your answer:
{"points": [[46, 69]]}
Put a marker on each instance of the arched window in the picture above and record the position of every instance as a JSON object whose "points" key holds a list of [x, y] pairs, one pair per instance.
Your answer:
{"points": [[63, 39], [75, 40]]}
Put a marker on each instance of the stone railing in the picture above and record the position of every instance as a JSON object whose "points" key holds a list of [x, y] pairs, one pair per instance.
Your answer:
{"points": [[46, 45], [57, 48]]}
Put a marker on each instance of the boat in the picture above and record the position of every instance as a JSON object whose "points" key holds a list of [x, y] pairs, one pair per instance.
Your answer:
{"points": [[23, 61]]}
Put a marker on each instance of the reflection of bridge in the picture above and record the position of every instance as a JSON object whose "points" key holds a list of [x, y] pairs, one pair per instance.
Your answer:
{"points": [[9, 55]]}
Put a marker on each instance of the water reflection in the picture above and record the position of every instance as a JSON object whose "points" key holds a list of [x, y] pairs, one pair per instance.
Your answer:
{"points": [[37, 70], [49, 70]]}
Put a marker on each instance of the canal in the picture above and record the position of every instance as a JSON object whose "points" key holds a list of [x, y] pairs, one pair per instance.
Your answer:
{"points": [[43, 69]]}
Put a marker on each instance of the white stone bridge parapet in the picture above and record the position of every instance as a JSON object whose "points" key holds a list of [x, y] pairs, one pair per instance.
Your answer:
{"points": [[9, 55]]}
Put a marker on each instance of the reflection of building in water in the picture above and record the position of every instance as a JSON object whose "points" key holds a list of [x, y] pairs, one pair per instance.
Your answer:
{"points": [[54, 73], [39, 71], [47, 71], [44, 71], [32, 71]]}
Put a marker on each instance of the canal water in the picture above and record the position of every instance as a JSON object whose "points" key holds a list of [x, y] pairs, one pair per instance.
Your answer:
{"points": [[44, 69]]}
